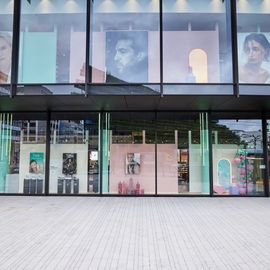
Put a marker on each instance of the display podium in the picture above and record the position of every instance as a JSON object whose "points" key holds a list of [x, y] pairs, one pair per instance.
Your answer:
{"points": [[67, 185], [33, 186]]}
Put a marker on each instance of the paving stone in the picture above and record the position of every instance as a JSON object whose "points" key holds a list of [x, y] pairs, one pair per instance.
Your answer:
{"points": [[134, 233]]}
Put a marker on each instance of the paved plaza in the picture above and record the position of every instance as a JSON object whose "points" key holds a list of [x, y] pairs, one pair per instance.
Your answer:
{"points": [[134, 233]]}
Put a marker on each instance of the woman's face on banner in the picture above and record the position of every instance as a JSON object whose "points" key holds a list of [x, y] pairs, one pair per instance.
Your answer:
{"points": [[5, 56], [34, 167], [255, 52]]}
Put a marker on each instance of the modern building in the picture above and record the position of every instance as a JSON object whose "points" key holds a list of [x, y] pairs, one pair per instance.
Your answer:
{"points": [[135, 97]]}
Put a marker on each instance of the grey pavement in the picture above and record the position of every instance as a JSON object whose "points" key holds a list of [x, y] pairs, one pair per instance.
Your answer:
{"points": [[134, 233]]}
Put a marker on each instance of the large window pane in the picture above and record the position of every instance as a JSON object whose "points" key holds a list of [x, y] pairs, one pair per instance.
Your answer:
{"points": [[238, 165], [253, 20], [52, 41], [6, 25], [128, 154], [182, 154], [125, 42], [196, 42], [22, 155], [74, 158]]}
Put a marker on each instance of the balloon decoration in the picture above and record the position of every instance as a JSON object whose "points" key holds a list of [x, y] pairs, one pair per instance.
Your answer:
{"points": [[245, 170]]}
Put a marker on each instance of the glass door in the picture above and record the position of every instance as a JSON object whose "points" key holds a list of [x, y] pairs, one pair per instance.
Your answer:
{"points": [[182, 153]]}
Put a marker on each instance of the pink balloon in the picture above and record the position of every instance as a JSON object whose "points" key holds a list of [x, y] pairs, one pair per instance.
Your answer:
{"points": [[250, 167], [242, 171]]}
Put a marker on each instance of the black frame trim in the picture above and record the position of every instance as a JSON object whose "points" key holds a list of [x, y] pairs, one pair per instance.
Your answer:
{"points": [[233, 5], [15, 47], [265, 154], [210, 141], [101, 124], [48, 153]]}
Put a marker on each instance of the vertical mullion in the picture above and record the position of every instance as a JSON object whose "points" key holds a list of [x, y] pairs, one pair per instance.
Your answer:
{"points": [[101, 124], [161, 44], [233, 13], [87, 51], [265, 153], [15, 46], [156, 154], [48, 151], [210, 154]]}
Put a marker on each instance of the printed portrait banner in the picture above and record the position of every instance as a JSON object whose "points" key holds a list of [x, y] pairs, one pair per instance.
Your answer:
{"points": [[69, 163], [5, 59], [127, 56], [258, 56], [36, 164], [133, 163]]}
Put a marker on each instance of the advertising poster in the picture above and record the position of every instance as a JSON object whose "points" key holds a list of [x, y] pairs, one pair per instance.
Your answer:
{"points": [[133, 163], [69, 163], [36, 164], [5, 56], [127, 56], [253, 58]]}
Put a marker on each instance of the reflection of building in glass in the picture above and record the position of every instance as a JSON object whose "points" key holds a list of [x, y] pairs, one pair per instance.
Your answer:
{"points": [[34, 131], [65, 131]]}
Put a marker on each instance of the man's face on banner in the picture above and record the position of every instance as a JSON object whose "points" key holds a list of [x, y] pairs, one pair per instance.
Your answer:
{"points": [[125, 54], [130, 157]]}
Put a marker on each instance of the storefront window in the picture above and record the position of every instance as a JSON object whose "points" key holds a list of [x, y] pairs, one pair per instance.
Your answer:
{"points": [[238, 165], [128, 154], [253, 41], [182, 154], [22, 155], [125, 42], [52, 42], [74, 156], [6, 25], [196, 42], [253, 44]]}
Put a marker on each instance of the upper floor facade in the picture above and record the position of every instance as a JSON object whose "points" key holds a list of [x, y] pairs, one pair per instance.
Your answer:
{"points": [[144, 47]]}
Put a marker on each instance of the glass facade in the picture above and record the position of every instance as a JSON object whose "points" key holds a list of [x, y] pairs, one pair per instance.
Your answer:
{"points": [[132, 154], [23, 153], [129, 154], [52, 42], [182, 153], [125, 41], [253, 33], [123, 97], [74, 155], [238, 162], [166, 43], [196, 42]]}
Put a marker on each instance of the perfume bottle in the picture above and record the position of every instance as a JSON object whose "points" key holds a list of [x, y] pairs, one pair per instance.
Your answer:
{"points": [[124, 188], [138, 186], [130, 186], [120, 187]]}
